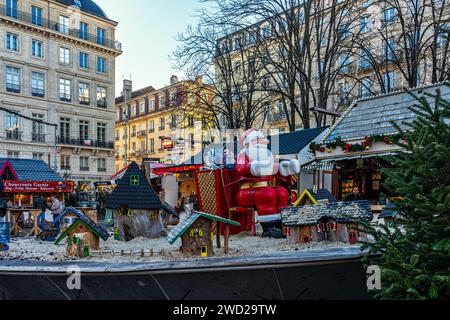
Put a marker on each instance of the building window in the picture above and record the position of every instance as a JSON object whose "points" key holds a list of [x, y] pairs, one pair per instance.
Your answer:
{"points": [[365, 24], [101, 64], [389, 50], [13, 79], [11, 8], [84, 30], [101, 97], [162, 102], [38, 156], [389, 15], [84, 164], [101, 36], [37, 84], [251, 38], [266, 32], [151, 126], [84, 60], [142, 108], [64, 56], [118, 115], [101, 165], [65, 87], [12, 41], [64, 130], [152, 145], [84, 93], [101, 134], [84, 131], [12, 155], [38, 128], [162, 124], [65, 163], [37, 49], [36, 16], [152, 105], [366, 85], [12, 127], [389, 81], [173, 98], [133, 111], [365, 61], [174, 121], [63, 24]]}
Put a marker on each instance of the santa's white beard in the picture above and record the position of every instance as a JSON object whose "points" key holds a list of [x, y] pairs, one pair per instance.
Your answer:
{"points": [[261, 160]]}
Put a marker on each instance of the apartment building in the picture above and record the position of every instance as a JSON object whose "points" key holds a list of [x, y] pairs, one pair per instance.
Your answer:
{"points": [[154, 124], [368, 66], [57, 85]]}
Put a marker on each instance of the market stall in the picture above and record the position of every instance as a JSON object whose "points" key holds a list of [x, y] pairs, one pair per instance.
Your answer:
{"points": [[361, 143], [24, 180]]}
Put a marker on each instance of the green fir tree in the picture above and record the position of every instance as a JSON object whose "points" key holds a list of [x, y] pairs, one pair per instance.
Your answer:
{"points": [[414, 252]]}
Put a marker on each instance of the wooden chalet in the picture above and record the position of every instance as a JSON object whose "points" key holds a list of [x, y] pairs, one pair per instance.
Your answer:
{"points": [[136, 206], [197, 234]]}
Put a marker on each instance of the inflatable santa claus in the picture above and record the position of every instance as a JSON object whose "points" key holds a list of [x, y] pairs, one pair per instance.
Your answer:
{"points": [[257, 165]]}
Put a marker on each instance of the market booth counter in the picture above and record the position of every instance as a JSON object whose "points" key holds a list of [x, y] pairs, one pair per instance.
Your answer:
{"points": [[24, 180]]}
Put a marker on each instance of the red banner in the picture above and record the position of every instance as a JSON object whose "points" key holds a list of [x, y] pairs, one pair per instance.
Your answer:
{"points": [[37, 187]]}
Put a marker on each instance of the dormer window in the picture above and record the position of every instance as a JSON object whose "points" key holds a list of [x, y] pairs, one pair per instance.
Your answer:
{"points": [[134, 180]]}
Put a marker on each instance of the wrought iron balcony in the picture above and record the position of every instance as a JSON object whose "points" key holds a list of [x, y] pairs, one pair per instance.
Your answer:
{"points": [[38, 137], [14, 135], [142, 133], [43, 23], [102, 104], [40, 93], [14, 88], [86, 143]]}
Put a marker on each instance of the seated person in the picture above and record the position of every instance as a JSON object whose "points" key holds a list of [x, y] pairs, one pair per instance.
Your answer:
{"points": [[355, 196]]}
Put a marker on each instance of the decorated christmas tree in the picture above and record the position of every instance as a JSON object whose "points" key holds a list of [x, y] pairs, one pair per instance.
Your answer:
{"points": [[415, 249]]}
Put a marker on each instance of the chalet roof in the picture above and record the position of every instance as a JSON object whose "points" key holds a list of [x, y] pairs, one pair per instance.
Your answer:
{"points": [[323, 194], [342, 212], [372, 116], [185, 224], [140, 196], [30, 170], [294, 142], [97, 229]]}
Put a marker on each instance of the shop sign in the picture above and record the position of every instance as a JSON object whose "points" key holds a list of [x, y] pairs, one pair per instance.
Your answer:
{"points": [[38, 187]]}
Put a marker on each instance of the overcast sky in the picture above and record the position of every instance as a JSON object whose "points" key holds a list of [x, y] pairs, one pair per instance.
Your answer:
{"points": [[147, 29]]}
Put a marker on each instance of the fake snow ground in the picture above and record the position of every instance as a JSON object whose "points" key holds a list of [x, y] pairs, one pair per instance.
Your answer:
{"points": [[30, 249]]}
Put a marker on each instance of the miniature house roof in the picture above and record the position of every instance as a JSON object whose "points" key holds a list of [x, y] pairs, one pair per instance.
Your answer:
{"points": [[134, 191], [100, 231], [28, 170], [315, 197], [184, 225], [342, 212], [388, 212], [94, 228]]}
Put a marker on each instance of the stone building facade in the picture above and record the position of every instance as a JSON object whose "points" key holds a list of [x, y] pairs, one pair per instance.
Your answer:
{"points": [[57, 85]]}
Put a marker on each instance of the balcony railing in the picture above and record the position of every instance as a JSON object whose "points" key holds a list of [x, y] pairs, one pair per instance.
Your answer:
{"points": [[38, 137], [66, 168], [102, 104], [14, 135], [86, 143], [101, 169], [85, 101], [141, 133], [55, 26], [14, 88], [86, 169], [38, 93]]}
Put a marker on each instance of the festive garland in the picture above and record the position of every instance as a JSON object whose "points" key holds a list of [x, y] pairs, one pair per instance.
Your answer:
{"points": [[347, 147]]}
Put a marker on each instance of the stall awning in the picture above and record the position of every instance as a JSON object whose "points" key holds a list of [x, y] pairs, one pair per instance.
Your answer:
{"points": [[177, 169]]}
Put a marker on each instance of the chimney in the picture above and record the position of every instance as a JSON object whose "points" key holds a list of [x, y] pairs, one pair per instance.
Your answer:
{"points": [[173, 80], [127, 89]]}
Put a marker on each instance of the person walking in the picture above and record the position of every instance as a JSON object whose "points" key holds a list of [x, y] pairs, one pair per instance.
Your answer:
{"points": [[56, 209], [40, 204]]}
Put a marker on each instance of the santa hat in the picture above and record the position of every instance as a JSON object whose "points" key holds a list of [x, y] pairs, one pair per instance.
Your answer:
{"points": [[250, 135]]}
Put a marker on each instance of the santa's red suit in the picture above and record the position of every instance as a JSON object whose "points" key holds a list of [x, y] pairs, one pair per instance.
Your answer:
{"points": [[260, 192]]}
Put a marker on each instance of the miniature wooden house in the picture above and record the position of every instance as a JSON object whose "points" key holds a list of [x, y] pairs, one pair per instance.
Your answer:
{"points": [[336, 222], [67, 218], [196, 233], [136, 207], [83, 236]]}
